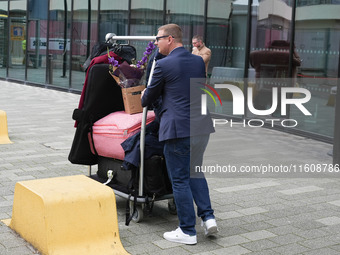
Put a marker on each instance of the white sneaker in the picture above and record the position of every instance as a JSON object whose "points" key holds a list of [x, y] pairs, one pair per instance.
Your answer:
{"points": [[210, 227], [178, 236]]}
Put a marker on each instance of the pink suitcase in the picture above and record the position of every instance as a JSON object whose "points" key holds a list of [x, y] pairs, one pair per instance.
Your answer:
{"points": [[109, 132]]}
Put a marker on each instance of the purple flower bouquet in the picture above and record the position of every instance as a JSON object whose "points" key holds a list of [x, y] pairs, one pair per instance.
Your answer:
{"points": [[130, 75]]}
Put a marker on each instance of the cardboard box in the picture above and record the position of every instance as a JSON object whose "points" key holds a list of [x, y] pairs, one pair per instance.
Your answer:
{"points": [[132, 99]]}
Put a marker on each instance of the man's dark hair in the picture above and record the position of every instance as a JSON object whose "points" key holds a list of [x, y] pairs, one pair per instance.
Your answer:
{"points": [[198, 38]]}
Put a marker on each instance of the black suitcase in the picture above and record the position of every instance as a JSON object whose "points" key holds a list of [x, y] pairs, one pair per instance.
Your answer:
{"points": [[156, 182]]}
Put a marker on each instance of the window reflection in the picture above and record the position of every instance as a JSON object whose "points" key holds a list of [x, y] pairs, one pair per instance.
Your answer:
{"points": [[113, 17], [219, 33], [3, 38], [146, 17], [37, 41], [189, 15], [17, 59], [84, 37], [317, 42], [226, 37], [59, 43], [270, 56]]}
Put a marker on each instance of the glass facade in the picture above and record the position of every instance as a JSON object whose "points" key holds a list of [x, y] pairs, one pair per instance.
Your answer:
{"points": [[4, 38], [317, 37], [17, 43], [46, 42], [36, 50]]}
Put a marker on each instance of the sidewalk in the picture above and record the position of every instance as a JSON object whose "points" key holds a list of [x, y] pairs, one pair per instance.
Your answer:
{"points": [[266, 215]]}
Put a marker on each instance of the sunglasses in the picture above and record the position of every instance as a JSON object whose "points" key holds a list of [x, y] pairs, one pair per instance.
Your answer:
{"points": [[160, 37]]}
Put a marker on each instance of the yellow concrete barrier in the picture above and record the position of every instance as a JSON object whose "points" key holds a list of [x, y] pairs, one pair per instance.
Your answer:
{"points": [[67, 215], [4, 139]]}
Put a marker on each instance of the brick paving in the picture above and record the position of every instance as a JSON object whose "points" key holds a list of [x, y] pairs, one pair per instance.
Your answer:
{"points": [[256, 213]]}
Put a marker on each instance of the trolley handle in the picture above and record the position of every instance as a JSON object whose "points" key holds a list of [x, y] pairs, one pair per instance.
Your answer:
{"points": [[142, 137], [130, 37]]}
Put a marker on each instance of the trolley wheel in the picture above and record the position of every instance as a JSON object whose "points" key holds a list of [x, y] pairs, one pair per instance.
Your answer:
{"points": [[172, 207], [138, 214]]}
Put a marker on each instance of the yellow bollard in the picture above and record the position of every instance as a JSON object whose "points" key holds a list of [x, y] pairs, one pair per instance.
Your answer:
{"points": [[66, 216], [4, 139]]}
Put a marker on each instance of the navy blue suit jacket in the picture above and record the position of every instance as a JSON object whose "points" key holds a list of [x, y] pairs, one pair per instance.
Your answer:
{"points": [[171, 81]]}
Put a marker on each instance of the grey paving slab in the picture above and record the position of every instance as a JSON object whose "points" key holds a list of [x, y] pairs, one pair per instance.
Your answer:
{"points": [[325, 251], [255, 226], [290, 249], [311, 234], [330, 220], [260, 245], [232, 240], [287, 239], [318, 243], [256, 214], [236, 250], [258, 235], [177, 251]]}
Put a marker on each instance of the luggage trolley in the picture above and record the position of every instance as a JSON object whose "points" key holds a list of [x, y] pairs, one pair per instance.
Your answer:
{"points": [[138, 203]]}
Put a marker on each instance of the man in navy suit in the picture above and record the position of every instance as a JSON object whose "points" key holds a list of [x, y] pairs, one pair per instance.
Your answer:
{"points": [[184, 130]]}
